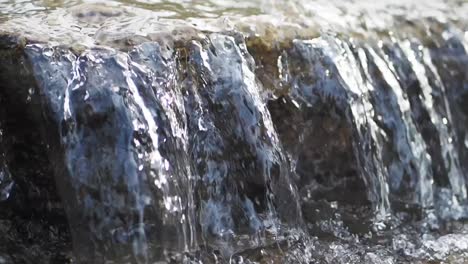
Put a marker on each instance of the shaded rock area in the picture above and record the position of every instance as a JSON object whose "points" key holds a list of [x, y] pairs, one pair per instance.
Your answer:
{"points": [[223, 146], [33, 221]]}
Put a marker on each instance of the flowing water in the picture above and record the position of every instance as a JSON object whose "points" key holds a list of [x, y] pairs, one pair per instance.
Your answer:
{"points": [[233, 131]]}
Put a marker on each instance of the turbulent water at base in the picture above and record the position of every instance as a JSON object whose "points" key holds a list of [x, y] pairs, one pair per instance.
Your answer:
{"points": [[213, 133]]}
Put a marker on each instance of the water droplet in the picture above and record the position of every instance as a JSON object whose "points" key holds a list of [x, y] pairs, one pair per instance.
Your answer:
{"points": [[201, 125], [30, 93], [182, 219], [295, 104], [166, 165], [334, 204]]}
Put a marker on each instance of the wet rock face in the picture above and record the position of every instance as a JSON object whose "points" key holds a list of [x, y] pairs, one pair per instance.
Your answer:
{"points": [[123, 188], [33, 221], [237, 153], [450, 56], [161, 172], [303, 130], [380, 98], [202, 149], [315, 111]]}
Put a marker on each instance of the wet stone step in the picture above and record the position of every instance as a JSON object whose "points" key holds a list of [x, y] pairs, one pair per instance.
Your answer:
{"points": [[130, 137]]}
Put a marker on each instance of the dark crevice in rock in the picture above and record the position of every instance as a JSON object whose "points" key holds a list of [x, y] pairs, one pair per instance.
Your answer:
{"points": [[33, 220]]}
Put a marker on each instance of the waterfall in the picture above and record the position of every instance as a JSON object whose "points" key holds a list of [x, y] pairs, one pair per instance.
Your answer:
{"points": [[194, 144]]}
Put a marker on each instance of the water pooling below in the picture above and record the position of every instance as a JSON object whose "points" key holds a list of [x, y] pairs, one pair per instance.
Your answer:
{"points": [[222, 132]]}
